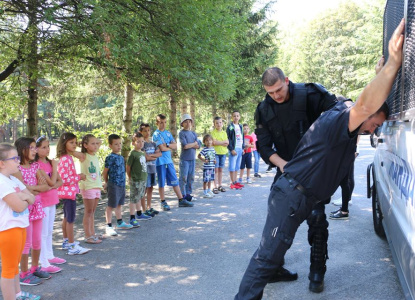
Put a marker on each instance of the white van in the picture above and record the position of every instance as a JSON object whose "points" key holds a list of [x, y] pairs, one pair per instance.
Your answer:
{"points": [[391, 176]]}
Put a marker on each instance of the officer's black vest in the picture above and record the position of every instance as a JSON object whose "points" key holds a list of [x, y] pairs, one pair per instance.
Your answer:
{"points": [[269, 117]]}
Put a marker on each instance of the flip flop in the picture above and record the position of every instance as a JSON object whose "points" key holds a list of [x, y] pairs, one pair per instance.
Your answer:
{"points": [[93, 240]]}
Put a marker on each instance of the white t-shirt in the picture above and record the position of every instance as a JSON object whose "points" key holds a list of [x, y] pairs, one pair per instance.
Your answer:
{"points": [[238, 137], [9, 218]]}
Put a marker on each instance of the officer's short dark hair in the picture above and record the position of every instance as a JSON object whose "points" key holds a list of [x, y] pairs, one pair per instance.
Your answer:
{"points": [[383, 109], [272, 75]]}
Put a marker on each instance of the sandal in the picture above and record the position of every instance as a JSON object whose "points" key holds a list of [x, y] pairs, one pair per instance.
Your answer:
{"points": [[93, 240], [222, 189], [100, 236], [215, 191]]}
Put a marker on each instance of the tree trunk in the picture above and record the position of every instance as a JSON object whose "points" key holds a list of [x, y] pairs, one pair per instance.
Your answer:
{"points": [[33, 71], [174, 93], [193, 113], [127, 120], [183, 106]]}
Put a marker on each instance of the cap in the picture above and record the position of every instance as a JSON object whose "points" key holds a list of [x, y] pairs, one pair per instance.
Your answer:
{"points": [[185, 117]]}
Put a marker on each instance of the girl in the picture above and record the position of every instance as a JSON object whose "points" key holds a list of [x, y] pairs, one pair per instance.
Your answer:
{"points": [[14, 202], [31, 176], [67, 192], [91, 186], [49, 200]]}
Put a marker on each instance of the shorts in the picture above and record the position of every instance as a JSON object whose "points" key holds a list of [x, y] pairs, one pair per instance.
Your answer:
{"points": [[208, 175], [91, 194], [69, 210], [116, 195], [151, 180], [246, 161], [235, 161], [167, 174], [137, 190], [220, 160]]}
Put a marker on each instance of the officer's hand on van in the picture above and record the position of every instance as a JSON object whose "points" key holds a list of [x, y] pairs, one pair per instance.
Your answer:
{"points": [[395, 46], [380, 64]]}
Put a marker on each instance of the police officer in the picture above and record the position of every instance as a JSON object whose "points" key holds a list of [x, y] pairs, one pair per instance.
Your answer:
{"points": [[282, 118], [323, 155]]}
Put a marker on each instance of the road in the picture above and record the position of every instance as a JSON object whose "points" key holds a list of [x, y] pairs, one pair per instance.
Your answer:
{"points": [[202, 252]]}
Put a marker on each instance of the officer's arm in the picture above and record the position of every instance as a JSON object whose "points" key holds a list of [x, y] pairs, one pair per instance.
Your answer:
{"points": [[376, 92]]}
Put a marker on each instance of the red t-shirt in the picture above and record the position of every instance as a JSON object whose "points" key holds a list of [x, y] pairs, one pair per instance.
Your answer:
{"points": [[248, 140]]}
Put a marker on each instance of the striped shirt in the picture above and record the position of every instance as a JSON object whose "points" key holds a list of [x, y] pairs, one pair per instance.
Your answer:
{"points": [[208, 154]]}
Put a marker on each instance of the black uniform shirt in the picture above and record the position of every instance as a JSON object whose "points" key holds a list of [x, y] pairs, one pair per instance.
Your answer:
{"points": [[284, 133], [325, 153]]}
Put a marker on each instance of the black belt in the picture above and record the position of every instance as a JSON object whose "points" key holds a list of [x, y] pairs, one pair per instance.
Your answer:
{"points": [[297, 185]]}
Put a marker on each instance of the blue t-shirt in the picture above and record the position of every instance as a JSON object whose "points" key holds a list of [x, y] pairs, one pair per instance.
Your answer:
{"points": [[116, 169], [163, 137], [187, 137]]}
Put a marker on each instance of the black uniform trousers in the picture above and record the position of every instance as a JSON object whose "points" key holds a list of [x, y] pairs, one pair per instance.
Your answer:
{"points": [[287, 209]]}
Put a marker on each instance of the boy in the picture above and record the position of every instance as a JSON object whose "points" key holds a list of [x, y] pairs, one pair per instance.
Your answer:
{"points": [[220, 143], [189, 144], [236, 144], [247, 155], [114, 176], [137, 176], [207, 155], [151, 152], [164, 164], [256, 155]]}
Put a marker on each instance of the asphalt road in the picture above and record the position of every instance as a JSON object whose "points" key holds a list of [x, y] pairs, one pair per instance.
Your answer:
{"points": [[202, 252]]}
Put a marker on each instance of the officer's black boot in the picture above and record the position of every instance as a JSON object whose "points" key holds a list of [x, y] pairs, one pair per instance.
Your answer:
{"points": [[317, 237]]}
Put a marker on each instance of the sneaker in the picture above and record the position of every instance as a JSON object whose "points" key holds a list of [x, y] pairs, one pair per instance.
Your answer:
{"points": [[30, 279], [153, 211], [51, 269], [57, 261], [239, 184], [124, 225], [134, 223], [185, 203], [239, 180], [248, 180], [188, 197], [235, 187], [77, 250], [207, 195], [143, 217], [164, 206], [27, 296], [39, 273], [110, 231], [335, 212], [149, 213], [66, 245], [269, 170], [339, 216], [211, 193], [257, 175]]}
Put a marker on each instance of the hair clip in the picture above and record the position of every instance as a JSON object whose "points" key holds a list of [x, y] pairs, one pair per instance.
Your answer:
{"points": [[39, 138]]}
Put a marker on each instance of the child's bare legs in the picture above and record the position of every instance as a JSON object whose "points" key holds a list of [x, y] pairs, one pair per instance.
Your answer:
{"points": [[218, 177], [35, 257], [65, 236], [209, 185], [92, 228], [248, 173], [241, 173], [135, 207], [118, 213], [233, 175], [24, 263], [178, 192], [161, 193], [89, 211], [108, 214], [149, 191], [143, 204], [10, 287], [69, 232]]}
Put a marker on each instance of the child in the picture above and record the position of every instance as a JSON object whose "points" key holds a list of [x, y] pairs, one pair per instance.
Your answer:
{"points": [[257, 157], [152, 153], [207, 155], [31, 176], [189, 144], [235, 147], [67, 192], [114, 176], [49, 200], [137, 176], [164, 164], [14, 202], [220, 143], [91, 186], [247, 156]]}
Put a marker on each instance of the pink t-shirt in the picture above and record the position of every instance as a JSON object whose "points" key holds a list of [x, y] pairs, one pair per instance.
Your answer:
{"points": [[50, 197], [66, 169], [29, 177], [253, 135]]}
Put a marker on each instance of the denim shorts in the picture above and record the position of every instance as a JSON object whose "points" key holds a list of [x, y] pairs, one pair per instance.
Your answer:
{"points": [[116, 195], [167, 174], [151, 180], [235, 161], [220, 160]]}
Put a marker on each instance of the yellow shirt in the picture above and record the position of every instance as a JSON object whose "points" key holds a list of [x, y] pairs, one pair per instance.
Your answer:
{"points": [[220, 136]]}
